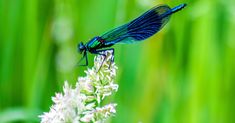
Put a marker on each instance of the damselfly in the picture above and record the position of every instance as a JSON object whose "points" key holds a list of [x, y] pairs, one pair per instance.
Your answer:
{"points": [[137, 30]]}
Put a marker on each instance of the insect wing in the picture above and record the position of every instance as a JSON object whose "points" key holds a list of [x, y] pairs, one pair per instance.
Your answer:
{"points": [[141, 28], [116, 35]]}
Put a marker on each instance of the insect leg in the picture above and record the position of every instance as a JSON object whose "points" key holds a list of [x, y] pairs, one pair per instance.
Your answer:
{"points": [[112, 57], [100, 53], [86, 59], [84, 56]]}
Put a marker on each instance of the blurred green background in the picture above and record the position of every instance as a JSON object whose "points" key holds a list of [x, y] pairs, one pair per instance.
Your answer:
{"points": [[183, 74]]}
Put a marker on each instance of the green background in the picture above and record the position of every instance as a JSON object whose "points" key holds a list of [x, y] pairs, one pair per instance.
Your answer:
{"points": [[183, 74]]}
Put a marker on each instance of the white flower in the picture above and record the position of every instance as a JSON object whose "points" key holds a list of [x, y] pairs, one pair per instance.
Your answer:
{"points": [[81, 104]]}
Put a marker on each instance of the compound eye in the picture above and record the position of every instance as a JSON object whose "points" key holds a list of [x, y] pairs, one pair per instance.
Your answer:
{"points": [[81, 47]]}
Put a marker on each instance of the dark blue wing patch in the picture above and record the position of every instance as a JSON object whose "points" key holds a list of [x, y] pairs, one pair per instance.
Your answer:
{"points": [[149, 23], [141, 28]]}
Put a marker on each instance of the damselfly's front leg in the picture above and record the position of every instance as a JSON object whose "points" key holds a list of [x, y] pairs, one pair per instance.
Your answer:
{"points": [[84, 56], [100, 52]]}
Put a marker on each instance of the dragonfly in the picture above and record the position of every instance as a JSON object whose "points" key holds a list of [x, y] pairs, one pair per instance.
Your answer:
{"points": [[139, 29]]}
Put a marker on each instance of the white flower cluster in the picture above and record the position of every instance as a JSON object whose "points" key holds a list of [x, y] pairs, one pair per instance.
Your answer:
{"points": [[83, 103]]}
